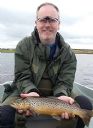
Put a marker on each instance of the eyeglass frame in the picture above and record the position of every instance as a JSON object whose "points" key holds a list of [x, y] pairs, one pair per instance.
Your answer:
{"points": [[51, 20]]}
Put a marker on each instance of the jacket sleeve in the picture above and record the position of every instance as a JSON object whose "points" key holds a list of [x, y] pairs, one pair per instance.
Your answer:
{"points": [[23, 74], [66, 75]]}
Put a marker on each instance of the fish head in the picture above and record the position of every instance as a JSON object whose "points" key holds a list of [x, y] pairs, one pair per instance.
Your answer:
{"points": [[20, 104]]}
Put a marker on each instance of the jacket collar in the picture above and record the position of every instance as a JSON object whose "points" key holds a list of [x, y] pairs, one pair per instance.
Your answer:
{"points": [[42, 48]]}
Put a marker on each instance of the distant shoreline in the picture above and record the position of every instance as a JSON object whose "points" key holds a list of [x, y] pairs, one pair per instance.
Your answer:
{"points": [[83, 51], [76, 51]]}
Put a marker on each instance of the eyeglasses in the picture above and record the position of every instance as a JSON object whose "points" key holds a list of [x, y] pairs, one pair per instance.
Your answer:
{"points": [[51, 20]]}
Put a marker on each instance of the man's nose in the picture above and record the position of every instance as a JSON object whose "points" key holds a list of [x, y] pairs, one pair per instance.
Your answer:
{"points": [[47, 23]]}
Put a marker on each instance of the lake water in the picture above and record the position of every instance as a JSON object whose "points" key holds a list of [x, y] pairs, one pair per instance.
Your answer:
{"points": [[84, 73]]}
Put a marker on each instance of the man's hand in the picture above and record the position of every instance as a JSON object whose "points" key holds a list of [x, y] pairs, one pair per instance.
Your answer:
{"points": [[68, 100], [25, 95]]}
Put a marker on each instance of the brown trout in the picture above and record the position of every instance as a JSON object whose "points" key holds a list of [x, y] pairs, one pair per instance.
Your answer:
{"points": [[52, 106]]}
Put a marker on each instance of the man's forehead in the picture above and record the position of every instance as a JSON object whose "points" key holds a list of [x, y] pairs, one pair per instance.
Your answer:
{"points": [[47, 15]]}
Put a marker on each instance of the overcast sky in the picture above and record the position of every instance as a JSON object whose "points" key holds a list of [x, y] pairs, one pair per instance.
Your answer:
{"points": [[17, 21]]}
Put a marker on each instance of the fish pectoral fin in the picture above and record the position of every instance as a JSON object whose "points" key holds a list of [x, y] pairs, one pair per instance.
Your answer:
{"points": [[56, 117], [33, 112]]}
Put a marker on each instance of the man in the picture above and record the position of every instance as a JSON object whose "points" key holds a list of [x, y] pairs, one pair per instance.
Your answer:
{"points": [[47, 64], [44, 64]]}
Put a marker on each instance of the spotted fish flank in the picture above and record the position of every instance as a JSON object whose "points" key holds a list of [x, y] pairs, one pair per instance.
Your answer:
{"points": [[52, 106]]}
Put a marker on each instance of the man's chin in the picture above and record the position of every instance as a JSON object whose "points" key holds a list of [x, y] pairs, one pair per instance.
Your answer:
{"points": [[47, 39]]}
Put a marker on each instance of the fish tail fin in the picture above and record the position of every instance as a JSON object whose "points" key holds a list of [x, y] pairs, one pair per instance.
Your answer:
{"points": [[92, 113], [86, 116]]}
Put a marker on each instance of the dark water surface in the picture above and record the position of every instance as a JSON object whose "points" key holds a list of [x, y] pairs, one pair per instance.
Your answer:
{"points": [[84, 73], [6, 67]]}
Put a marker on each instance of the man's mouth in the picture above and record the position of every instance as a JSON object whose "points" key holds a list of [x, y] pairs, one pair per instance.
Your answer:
{"points": [[47, 31]]}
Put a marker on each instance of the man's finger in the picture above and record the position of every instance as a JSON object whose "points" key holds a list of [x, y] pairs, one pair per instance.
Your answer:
{"points": [[71, 101], [28, 113], [24, 95], [66, 116], [20, 111]]}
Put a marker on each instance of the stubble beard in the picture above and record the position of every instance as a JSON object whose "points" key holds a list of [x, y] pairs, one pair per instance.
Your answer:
{"points": [[47, 40]]}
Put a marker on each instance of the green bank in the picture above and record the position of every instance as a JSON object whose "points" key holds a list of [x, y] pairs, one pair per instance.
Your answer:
{"points": [[77, 51]]}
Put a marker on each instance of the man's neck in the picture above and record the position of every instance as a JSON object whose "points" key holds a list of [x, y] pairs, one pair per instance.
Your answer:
{"points": [[48, 42]]}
